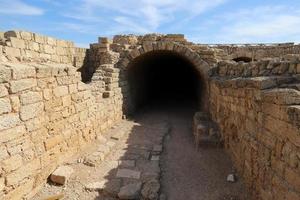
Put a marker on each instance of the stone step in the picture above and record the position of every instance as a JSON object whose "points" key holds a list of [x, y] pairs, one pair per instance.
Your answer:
{"points": [[205, 131]]}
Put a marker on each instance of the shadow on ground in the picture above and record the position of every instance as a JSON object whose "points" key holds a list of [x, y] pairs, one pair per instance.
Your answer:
{"points": [[179, 172]]}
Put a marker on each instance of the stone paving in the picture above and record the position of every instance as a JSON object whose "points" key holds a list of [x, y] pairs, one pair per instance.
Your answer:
{"points": [[125, 165]]}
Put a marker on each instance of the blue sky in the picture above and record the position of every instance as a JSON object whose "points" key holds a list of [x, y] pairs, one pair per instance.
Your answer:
{"points": [[202, 21]]}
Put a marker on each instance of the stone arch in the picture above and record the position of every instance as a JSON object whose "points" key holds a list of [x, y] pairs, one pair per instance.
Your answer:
{"points": [[201, 66]]}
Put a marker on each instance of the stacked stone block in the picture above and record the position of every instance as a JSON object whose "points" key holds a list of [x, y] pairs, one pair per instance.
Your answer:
{"points": [[46, 116], [258, 119], [25, 46], [259, 51]]}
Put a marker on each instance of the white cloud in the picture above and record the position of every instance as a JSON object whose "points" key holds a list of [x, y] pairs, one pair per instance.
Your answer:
{"points": [[262, 24], [17, 7], [139, 15]]}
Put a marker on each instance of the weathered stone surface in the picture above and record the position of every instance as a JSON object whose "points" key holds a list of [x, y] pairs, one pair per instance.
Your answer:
{"points": [[61, 91], [158, 148], [31, 111], [9, 120], [12, 163], [61, 175], [3, 90], [112, 187], [128, 173], [151, 189], [126, 163], [12, 133], [130, 191], [155, 158], [20, 85], [5, 73], [95, 186], [30, 97], [231, 178], [5, 106]]}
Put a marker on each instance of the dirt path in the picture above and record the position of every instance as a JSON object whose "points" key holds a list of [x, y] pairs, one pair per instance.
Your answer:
{"points": [[195, 175], [130, 159]]}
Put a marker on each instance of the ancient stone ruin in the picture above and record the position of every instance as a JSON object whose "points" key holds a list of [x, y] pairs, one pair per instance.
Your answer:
{"points": [[58, 102]]}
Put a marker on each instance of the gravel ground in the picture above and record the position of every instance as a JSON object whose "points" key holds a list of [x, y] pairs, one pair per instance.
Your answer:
{"points": [[195, 175]]}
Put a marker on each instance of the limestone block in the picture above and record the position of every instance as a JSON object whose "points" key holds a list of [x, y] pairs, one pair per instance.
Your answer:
{"points": [[113, 186], [43, 71], [5, 73], [12, 133], [20, 71], [128, 173], [30, 97], [36, 123], [3, 154], [55, 58], [21, 85], [53, 141], [95, 186], [151, 189], [51, 41], [31, 45], [15, 102], [66, 100], [12, 34], [298, 68], [104, 40], [2, 183], [5, 106], [9, 120], [31, 111], [125, 39], [48, 49], [109, 57], [134, 53], [28, 54], [61, 50], [47, 94], [61, 175], [20, 191], [130, 191], [39, 38], [12, 163], [3, 90], [17, 176], [60, 91], [157, 149], [26, 35], [147, 46], [82, 86], [73, 88], [17, 43], [64, 80], [126, 163]]}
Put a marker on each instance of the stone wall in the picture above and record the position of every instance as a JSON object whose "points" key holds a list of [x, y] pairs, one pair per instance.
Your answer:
{"points": [[259, 51], [46, 116], [257, 109], [22, 46]]}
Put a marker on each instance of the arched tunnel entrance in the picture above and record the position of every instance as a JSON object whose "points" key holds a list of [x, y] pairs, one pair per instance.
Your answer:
{"points": [[164, 78]]}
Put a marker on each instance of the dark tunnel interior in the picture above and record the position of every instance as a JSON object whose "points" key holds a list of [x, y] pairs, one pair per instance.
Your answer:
{"points": [[164, 77]]}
